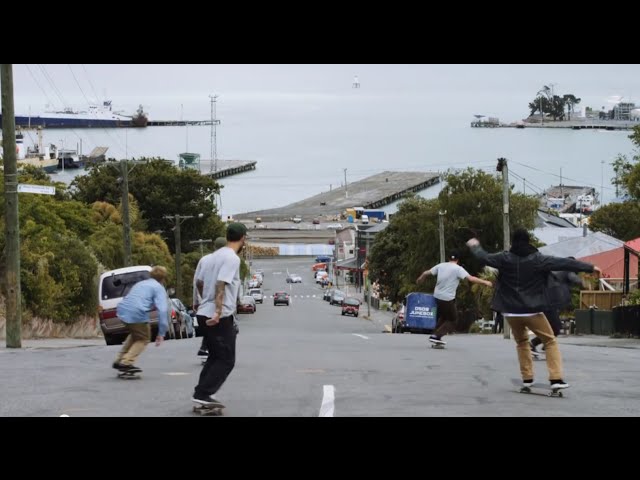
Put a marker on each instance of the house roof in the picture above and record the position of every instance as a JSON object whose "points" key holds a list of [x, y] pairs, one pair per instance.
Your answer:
{"points": [[549, 220], [580, 247], [612, 263], [633, 245], [551, 235]]}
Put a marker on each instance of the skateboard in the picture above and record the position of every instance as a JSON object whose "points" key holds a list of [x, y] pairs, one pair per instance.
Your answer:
{"points": [[439, 346], [213, 410], [129, 375], [551, 392]]}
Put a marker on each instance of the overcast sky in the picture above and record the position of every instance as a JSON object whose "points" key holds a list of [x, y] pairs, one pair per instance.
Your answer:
{"points": [[158, 85]]}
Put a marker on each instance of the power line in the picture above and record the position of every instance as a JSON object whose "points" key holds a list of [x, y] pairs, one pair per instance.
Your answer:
{"points": [[531, 185], [52, 83], [77, 83], [563, 177], [90, 83], [38, 84]]}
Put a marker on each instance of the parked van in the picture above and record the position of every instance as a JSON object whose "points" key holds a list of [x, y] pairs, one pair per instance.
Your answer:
{"points": [[113, 287], [364, 219]]}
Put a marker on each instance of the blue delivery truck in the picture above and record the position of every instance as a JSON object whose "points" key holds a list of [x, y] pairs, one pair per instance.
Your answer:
{"points": [[420, 313], [379, 215]]}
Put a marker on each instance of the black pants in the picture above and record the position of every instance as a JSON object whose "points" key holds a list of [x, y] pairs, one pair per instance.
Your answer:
{"points": [[498, 323], [447, 317], [221, 344], [556, 324]]}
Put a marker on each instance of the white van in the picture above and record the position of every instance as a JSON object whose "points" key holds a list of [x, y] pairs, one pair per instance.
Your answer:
{"points": [[113, 287], [364, 219]]}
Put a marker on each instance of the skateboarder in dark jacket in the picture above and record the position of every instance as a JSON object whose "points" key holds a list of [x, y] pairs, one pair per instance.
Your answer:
{"points": [[521, 295], [559, 286]]}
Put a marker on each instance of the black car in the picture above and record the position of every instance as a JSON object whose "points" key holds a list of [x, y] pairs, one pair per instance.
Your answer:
{"points": [[281, 298]]}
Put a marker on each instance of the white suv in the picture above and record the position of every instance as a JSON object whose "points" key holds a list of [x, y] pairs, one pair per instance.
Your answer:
{"points": [[113, 287], [257, 295]]}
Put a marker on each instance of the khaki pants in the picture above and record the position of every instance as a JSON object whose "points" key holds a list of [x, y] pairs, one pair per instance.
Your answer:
{"points": [[539, 325], [139, 336]]}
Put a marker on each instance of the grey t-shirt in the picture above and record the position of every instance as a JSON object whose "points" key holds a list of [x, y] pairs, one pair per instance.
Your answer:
{"points": [[449, 275], [222, 266]]}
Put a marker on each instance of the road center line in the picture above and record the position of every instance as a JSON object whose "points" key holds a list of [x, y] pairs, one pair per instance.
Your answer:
{"points": [[328, 396], [361, 336]]}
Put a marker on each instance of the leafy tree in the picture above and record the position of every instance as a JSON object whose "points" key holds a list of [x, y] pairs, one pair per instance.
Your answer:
{"points": [[160, 189], [472, 200]]}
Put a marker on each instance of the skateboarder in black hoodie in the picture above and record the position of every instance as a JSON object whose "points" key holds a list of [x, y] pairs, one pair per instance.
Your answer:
{"points": [[521, 295]]}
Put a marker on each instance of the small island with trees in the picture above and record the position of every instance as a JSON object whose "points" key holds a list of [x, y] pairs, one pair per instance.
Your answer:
{"points": [[554, 110]]}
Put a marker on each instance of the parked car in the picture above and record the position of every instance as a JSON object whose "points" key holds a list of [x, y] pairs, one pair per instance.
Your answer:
{"points": [[322, 278], [181, 316], [294, 278], [113, 286], [351, 306], [337, 297], [323, 259], [247, 304], [281, 298], [319, 266], [257, 295]]}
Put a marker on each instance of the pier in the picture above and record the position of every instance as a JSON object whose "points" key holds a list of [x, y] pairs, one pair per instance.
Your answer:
{"points": [[226, 168], [370, 193], [180, 123]]}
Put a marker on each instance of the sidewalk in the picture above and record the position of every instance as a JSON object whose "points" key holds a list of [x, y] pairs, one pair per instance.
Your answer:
{"points": [[54, 343]]}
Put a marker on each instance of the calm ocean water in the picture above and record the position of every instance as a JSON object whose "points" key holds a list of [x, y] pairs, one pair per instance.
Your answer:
{"points": [[302, 143]]}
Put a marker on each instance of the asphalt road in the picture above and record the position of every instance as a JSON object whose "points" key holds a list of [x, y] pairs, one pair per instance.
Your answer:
{"points": [[306, 360]]}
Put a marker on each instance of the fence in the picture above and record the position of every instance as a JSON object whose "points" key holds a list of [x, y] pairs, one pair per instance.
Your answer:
{"points": [[601, 300]]}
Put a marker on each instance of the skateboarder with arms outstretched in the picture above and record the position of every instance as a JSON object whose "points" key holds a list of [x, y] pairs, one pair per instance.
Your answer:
{"points": [[449, 275], [521, 295]]}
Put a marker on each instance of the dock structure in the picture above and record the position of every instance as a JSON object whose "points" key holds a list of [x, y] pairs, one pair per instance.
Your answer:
{"points": [[225, 168], [589, 124], [180, 123], [370, 193]]}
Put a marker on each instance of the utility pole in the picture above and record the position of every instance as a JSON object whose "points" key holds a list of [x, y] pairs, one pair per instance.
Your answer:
{"points": [[368, 281], [346, 191], [201, 243], [12, 224], [177, 221], [441, 215], [601, 182], [214, 134], [502, 167], [126, 225]]}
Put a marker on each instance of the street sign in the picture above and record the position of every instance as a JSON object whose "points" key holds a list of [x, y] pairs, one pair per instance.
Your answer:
{"points": [[39, 189]]}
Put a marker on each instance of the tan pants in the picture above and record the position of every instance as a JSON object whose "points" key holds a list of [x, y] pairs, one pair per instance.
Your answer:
{"points": [[539, 325], [136, 342]]}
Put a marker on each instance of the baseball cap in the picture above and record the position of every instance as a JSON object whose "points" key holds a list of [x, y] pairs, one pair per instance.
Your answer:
{"points": [[235, 231], [454, 255]]}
